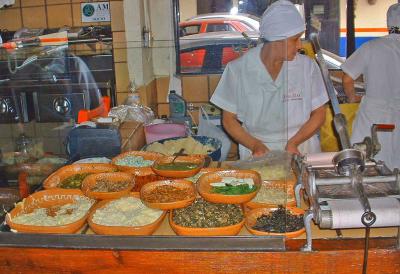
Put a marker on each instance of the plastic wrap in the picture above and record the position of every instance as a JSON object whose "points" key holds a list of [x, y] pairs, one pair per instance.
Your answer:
{"points": [[275, 165], [134, 112]]}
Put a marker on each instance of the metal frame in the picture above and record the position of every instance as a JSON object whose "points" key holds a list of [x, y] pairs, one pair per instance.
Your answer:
{"points": [[178, 243]]}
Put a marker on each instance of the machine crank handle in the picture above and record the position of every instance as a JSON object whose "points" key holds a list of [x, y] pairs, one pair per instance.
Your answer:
{"points": [[368, 218], [384, 127]]}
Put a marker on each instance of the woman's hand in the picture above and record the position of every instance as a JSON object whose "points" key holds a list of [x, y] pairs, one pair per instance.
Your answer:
{"points": [[259, 149], [292, 148]]}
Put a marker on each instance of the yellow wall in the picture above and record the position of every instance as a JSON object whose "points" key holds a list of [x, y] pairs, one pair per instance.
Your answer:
{"points": [[366, 15]]}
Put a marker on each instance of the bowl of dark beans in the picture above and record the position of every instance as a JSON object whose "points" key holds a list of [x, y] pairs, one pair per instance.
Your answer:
{"points": [[278, 221]]}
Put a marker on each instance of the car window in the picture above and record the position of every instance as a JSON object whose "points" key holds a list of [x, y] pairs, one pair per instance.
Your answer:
{"points": [[192, 60], [219, 27], [189, 30]]}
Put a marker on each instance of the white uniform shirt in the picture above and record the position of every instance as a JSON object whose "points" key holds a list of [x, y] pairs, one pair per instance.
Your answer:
{"points": [[379, 62], [267, 109]]}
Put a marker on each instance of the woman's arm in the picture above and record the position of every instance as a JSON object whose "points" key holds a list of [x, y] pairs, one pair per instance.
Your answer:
{"points": [[348, 85], [317, 118], [240, 135]]}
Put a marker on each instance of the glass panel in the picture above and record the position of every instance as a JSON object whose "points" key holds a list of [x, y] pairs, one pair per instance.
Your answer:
{"points": [[45, 88]]}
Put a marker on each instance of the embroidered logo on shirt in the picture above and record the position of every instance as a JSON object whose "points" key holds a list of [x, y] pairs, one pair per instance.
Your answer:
{"points": [[292, 95]]}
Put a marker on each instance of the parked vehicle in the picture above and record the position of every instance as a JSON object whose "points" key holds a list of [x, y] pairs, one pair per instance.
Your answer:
{"points": [[253, 22], [210, 52], [212, 25]]}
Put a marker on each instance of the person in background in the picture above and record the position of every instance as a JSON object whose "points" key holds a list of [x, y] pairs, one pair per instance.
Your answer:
{"points": [[272, 97], [378, 61]]}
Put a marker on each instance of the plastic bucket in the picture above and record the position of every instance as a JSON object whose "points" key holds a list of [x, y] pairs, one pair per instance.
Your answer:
{"points": [[157, 132]]}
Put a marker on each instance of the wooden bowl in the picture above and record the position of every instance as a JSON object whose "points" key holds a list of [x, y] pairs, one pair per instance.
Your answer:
{"points": [[230, 230], [147, 155], [196, 159], [182, 184], [204, 187], [46, 199], [123, 230], [115, 177], [56, 178], [287, 186], [252, 215]]}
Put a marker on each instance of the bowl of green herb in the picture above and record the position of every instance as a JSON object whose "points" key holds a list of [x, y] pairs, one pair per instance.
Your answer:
{"points": [[229, 186]]}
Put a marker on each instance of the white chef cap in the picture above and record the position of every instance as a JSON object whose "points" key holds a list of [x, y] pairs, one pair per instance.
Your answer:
{"points": [[280, 21], [393, 16]]}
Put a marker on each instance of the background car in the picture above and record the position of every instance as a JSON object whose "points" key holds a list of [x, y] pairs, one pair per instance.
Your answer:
{"points": [[211, 25], [253, 22], [210, 52]]}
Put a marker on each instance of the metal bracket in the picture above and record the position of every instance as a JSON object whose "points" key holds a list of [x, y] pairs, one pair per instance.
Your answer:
{"points": [[308, 216], [297, 189]]}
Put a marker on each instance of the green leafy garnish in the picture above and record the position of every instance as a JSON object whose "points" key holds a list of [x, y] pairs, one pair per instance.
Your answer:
{"points": [[233, 190]]}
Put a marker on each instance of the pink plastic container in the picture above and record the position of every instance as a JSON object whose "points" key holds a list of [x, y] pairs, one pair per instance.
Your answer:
{"points": [[162, 131]]}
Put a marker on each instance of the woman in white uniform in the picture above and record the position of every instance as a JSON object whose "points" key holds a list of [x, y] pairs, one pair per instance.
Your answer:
{"points": [[272, 97], [379, 62]]}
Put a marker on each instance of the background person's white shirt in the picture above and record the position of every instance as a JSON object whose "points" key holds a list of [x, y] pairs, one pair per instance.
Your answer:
{"points": [[379, 62]]}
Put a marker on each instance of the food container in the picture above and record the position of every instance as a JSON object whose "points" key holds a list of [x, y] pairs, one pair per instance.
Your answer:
{"points": [[230, 230], [176, 163], [56, 178], [181, 184], [204, 186], [116, 177], [152, 156], [284, 186], [216, 144], [252, 215], [46, 199], [161, 131], [123, 230]]}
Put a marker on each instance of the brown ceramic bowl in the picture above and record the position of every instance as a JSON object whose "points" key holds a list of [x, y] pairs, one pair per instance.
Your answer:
{"points": [[123, 230], [182, 184], [252, 215], [46, 199], [198, 160], [147, 155], [230, 230], [116, 177], [56, 178], [204, 186]]}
